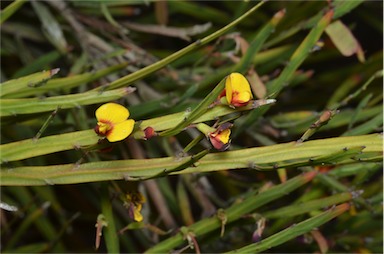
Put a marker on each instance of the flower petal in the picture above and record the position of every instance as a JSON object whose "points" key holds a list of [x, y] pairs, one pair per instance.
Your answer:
{"points": [[224, 136], [220, 139], [112, 112], [121, 130], [228, 87], [241, 98], [237, 88], [137, 215]]}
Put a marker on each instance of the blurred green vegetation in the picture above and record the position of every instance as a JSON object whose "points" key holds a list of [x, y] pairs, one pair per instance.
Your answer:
{"points": [[303, 175]]}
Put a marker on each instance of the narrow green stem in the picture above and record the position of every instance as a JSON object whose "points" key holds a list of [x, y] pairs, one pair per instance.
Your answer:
{"points": [[334, 184], [294, 231], [200, 110], [110, 233], [46, 123], [301, 208], [193, 143], [10, 9]]}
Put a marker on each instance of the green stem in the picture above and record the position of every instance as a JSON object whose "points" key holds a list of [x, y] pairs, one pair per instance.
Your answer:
{"points": [[235, 212], [198, 111], [46, 123], [258, 42], [293, 231], [331, 151], [80, 139], [110, 233], [162, 63], [10, 9], [301, 208], [334, 184]]}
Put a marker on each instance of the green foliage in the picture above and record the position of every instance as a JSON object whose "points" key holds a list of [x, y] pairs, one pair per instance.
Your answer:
{"points": [[305, 151]]}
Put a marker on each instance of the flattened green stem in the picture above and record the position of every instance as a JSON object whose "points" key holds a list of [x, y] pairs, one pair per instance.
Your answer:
{"points": [[301, 208], [26, 82], [328, 151], [162, 63], [353, 169], [294, 231], [189, 163], [344, 102], [57, 84], [29, 148], [110, 232], [328, 114], [234, 212], [325, 117], [375, 123], [12, 107], [334, 184]]}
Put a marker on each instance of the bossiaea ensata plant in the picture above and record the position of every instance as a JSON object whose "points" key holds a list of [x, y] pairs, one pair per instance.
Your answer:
{"points": [[188, 126]]}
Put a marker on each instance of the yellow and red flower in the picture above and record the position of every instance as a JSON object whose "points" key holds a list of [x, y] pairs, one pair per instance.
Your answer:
{"points": [[219, 137], [112, 122], [237, 90], [134, 203]]}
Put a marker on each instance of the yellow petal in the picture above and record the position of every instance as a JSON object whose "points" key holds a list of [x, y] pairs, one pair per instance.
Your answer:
{"points": [[228, 87], [224, 136], [112, 112], [237, 84], [220, 140], [121, 130], [137, 215], [242, 97]]}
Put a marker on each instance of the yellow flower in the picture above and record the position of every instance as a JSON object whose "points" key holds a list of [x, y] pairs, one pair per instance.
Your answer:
{"points": [[219, 137], [135, 201], [112, 122], [237, 90]]}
